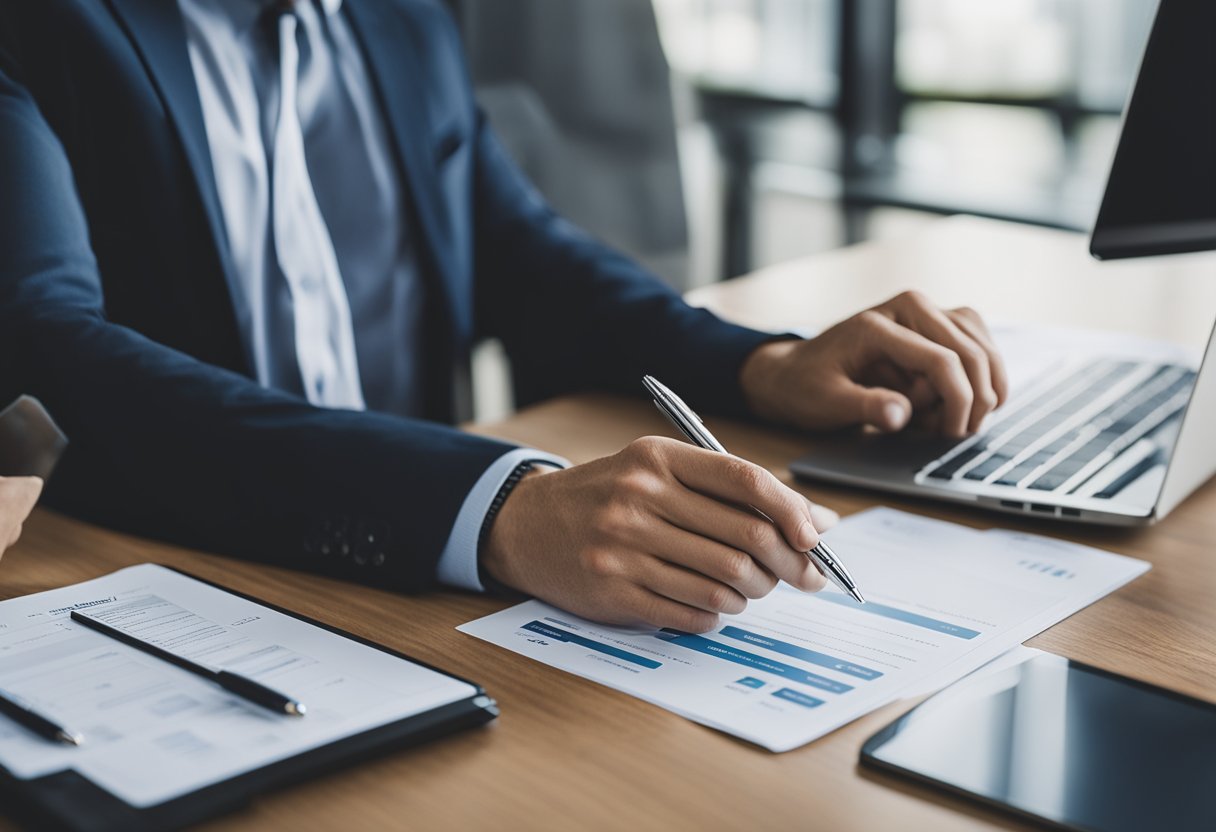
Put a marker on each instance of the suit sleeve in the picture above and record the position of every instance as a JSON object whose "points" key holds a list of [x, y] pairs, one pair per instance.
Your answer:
{"points": [[167, 446], [575, 314]]}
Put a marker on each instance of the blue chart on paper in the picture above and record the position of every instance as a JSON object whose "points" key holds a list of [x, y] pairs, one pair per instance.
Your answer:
{"points": [[558, 634], [897, 614], [752, 660], [798, 698], [813, 656]]}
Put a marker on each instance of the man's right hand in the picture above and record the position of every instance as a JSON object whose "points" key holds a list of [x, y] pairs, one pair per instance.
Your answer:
{"points": [[17, 498], [659, 534]]}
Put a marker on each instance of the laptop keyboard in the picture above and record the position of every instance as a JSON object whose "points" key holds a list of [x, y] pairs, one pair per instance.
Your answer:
{"points": [[1065, 433]]}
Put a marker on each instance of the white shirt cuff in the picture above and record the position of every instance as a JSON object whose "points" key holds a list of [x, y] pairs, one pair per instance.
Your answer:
{"points": [[458, 563]]}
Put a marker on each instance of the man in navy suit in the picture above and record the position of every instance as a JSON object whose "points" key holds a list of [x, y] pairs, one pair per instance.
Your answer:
{"points": [[244, 246]]}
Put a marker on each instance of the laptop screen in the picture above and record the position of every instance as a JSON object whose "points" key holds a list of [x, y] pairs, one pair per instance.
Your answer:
{"points": [[1161, 194]]}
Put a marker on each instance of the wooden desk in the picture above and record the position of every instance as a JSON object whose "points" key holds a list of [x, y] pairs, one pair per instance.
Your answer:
{"points": [[569, 754]]}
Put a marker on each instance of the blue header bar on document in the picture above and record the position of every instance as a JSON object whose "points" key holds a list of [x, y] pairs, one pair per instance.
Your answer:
{"points": [[896, 614]]}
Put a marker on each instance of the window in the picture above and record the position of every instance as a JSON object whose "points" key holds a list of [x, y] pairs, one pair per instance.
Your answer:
{"points": [[1007, 108]]}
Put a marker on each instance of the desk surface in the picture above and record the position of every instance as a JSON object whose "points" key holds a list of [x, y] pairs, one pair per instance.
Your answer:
{"points": [[570, 754]]}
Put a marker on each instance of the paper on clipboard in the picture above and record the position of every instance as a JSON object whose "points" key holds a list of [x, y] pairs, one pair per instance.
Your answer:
{"points": [[154, 732]]}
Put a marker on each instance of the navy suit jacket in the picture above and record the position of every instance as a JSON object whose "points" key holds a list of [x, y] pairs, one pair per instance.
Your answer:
{"points": [[120, 310]]}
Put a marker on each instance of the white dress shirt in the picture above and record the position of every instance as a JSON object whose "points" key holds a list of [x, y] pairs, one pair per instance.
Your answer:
{"points": [[357, 187]]}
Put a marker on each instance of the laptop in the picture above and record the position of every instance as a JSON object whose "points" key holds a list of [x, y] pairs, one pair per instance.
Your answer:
{"points": [[1111, 439]]}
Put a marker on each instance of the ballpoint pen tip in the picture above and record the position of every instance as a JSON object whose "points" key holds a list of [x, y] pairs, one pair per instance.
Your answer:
{"points": [[296, 709], [70, 739]]}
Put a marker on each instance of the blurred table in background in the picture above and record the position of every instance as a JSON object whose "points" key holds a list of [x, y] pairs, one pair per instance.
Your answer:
{"points": [[1010, 273]]}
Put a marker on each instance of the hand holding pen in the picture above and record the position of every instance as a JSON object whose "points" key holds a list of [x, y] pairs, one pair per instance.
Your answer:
{"points": [[689, 423], [658, 534]]}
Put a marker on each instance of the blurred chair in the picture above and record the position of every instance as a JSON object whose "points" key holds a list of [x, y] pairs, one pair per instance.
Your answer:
{"points": [[580, 93]]}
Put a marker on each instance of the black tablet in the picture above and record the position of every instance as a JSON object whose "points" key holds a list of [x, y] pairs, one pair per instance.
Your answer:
{"points": [[1065, 744]]}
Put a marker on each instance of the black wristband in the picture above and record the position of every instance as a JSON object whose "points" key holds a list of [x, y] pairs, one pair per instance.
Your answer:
{"points": [[492, 586]]}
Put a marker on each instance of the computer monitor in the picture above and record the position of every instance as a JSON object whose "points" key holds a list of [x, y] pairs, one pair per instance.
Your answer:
{"points": [[1161, 194]]}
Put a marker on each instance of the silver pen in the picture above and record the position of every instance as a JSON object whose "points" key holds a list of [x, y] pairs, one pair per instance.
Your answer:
{"points": [[690, 424]]}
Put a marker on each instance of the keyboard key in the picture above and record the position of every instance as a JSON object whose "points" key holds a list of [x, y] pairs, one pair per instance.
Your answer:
{"points": [[1064, 469], [1023, 469], [1016, 445], [1090, 449], [1060, 443], [1050, 481], [946, 471], [988, 466], [1070, 466]]}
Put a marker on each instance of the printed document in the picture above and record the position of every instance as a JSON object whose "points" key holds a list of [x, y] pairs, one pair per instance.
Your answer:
{"points": [[153, 731], [942, 600]]}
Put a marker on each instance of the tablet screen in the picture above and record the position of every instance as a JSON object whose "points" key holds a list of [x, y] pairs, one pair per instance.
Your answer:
{"points": [[1065, 743]]}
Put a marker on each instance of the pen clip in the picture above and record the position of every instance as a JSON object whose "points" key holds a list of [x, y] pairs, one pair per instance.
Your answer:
{"points": [[681, 415], [676, 423]]}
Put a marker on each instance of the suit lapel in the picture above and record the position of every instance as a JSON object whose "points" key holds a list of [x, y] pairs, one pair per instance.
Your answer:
{"points": [[391, 45], [159, 35]]}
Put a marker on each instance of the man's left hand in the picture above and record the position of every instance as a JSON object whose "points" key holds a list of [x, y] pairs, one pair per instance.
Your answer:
{"points": [[902, 361]]}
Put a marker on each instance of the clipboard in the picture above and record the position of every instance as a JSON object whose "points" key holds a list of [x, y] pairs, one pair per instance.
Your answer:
{"points": [[69, 801]]}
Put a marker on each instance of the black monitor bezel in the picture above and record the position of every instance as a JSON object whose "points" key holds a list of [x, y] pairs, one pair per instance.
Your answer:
{"points": [[1108, 242]]}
